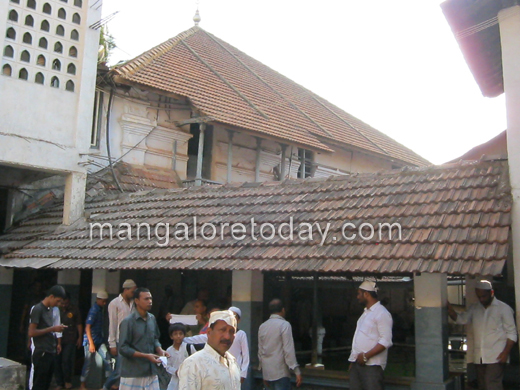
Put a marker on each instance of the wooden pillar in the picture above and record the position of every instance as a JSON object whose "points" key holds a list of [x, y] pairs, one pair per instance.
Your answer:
{"points": [[230, 155], [200, 155], [314, 358], [283, 163], [257, 163]]}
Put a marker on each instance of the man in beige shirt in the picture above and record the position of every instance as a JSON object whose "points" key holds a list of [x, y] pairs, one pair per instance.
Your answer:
{"points": [[213, 368], [118, 309], [276, 350]]}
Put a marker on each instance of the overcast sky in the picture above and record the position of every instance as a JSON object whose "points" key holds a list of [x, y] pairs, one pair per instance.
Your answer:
{"points": [[393, 64]]}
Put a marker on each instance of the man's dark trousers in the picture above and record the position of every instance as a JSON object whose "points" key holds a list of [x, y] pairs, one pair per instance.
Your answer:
{"points": [[43, 363], [365, 377]]}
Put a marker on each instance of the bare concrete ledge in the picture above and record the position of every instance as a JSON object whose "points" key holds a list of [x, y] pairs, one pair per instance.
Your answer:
{"points": [[12, 375]]}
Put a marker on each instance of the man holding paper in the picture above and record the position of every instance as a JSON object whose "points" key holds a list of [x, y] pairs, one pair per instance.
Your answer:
{"points": [[139, 346]]}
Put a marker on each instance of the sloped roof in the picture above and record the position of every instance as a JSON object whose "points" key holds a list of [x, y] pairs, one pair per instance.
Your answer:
{"points": [[475, 27], [455, 219], [496, 146], [132, 178], [237, 90]]}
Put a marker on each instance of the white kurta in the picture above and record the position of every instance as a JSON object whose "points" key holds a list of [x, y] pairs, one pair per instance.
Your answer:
{"points": [[208, 370], [177, 357], [491, 329]]}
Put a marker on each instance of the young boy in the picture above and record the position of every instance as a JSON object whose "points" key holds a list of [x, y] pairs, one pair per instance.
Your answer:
{"points": [[179, 351]]}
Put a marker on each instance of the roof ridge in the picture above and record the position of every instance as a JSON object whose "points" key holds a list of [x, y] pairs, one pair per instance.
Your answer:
{"points": [[133, 65]]}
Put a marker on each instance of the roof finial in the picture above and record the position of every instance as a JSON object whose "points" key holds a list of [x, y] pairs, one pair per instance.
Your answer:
{"points": [[196, 18]]}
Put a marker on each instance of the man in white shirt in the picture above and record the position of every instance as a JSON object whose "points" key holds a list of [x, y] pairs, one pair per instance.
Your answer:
{"points": [[118, 309], [239, 349], [494, 335], [213, 367], [276, 350], [371, 341]]}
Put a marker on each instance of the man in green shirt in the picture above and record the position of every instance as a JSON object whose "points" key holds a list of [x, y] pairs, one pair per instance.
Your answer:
{"points": [[140, 348]]}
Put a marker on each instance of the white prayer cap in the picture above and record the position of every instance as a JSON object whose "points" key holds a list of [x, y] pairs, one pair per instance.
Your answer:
{"points": [[368, 286], [236, 310], [102, 295], [129, 283], [225, 315], [484, 285]]}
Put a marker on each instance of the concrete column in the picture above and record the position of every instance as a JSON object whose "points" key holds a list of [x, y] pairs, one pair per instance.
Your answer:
{"points": [[200, 155], [257, 162], [230, 155], [283, 163], [6, 290], [247, 295], [431, 332], [509, 22], [70, 280], [74, 202], [106, 280]]}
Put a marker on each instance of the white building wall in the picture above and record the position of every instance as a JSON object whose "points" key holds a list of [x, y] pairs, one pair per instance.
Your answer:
{"points": [[142, 132], [45, 126], [244, 159]]}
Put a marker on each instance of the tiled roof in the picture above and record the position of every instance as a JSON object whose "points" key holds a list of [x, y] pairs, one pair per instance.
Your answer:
{"points": [[237, 90], [132, 178], [455, 219]]}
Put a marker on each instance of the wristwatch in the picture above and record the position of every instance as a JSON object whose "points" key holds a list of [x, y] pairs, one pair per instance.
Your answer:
{"points": [[365, 358]]}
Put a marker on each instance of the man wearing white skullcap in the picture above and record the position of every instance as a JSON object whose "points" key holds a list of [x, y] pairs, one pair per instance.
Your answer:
{"points": [[371, 341], [118, 309], [213, 367], [494, 335]]}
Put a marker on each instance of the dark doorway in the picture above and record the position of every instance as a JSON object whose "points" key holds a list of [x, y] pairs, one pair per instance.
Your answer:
{"points": [[29, 287]]}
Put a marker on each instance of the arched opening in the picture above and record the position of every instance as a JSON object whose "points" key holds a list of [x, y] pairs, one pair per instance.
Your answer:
{"points": [[23, 74], [62, 14], [13, 16], [9, 51], [55, 82], [56, 64], [11, 33], [41, 60], [76, 18], [29, 21], [45, 26], [71, 69], [39, 78], [15, 1], [60, 30], [69, 86], [25, 56], [31, 4], [43, 43], [7, 70], [73, 52], [78, 3], [74, 35], [27, 38], [58, 47], [47, 9]]}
